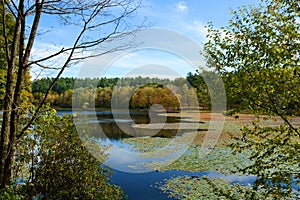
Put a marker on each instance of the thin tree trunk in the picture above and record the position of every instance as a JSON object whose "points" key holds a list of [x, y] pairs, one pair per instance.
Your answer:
{"points": [[15, 114], [8, 99], [12, 100]]}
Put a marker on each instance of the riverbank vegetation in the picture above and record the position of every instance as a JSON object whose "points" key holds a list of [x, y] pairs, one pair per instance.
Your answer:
{"points": [[257, 56], [52, 159], [258, 52], [37, 145]]}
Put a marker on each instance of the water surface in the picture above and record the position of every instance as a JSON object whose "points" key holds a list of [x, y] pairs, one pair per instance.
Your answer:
{"points": [[111, 129]]}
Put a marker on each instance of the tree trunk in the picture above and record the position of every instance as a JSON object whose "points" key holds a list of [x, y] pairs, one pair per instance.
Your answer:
{"points": [[12, 100], [8, 100], [15, 112]]}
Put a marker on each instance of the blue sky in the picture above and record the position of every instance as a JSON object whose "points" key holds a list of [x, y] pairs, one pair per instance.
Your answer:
{"points": [[190, 16], [187, 18]]}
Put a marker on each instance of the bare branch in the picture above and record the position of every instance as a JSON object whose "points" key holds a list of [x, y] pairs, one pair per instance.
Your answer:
{"points": [[10, 9], [37, 111], [48, 57], [46, 67], [89, 26], [88, 16], [35, 24]]}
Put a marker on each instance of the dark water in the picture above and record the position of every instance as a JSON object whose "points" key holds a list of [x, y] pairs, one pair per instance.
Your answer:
{"points": [[142, 186], [119, 125], [139, 186]]}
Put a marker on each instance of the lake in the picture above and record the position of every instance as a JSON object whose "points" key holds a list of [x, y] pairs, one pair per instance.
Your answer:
{"points": [[141, 182]]}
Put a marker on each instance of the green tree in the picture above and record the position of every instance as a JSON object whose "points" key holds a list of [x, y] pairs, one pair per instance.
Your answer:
{"points": [[55, 163], [4, 41], [3, 62], [82, 96], [65, 99], [196, 80], [260, 49], [87, 17], [103, 97]]}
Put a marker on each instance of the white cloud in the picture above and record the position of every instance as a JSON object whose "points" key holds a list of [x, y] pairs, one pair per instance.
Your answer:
{"points": [[146, 62], [197, 29], [52, 66], [41, 50], [232, 178], [181, 7]]}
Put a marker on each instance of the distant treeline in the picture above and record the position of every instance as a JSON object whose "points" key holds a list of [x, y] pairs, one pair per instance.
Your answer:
{"points": [[138, 92], [64, 84], [144, 92]]}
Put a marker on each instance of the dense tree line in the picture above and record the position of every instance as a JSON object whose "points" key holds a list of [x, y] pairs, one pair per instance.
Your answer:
{"points": [[65, 83], [142, 92], [100, 90]]}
